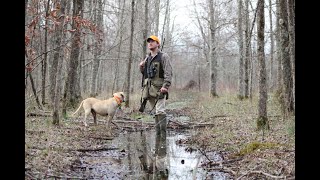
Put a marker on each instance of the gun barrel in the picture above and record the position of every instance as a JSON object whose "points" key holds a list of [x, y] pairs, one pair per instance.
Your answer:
{"points": [[143, 105]]}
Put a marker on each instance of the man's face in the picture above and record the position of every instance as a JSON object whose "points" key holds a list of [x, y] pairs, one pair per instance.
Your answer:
{"points": [[152, 44]]}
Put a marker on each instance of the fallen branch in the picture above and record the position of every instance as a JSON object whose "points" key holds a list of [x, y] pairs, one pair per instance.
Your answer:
{"points": [[180, 124], [225, 162], [35, 147], [201, 124], [266, 174], [260, 172], [121, 121], [97, 149], [38, 114], [224, 169], [62, 177], [106, 138], [34, 132], [127, 118]]}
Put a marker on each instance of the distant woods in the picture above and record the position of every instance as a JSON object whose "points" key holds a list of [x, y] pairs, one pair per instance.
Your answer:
{"points": [[81, 48]]}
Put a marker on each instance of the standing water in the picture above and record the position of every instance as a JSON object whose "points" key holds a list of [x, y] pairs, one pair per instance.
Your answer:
{"points": [[132, 156]]}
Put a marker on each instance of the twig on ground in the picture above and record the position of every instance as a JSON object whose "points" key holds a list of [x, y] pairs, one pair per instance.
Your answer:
{"points": [[97, 149]]}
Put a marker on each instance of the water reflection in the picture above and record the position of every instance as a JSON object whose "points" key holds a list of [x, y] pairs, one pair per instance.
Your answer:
{"points": [[144, 155]]}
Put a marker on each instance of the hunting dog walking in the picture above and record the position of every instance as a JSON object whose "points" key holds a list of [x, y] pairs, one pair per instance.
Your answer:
{"points": [[102, 107]]}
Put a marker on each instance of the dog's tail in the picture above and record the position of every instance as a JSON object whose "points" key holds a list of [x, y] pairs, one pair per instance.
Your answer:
{"points": [[78, 108]]}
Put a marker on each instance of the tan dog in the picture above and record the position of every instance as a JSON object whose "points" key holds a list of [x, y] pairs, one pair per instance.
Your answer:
{"points": [[102, 107]]}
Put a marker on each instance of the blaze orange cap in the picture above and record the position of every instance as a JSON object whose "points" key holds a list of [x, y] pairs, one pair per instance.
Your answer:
{"points": [[153, 37]]}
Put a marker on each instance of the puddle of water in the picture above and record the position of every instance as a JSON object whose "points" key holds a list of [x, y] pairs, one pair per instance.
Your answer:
{"points": [[183, 164], [124, 162]]}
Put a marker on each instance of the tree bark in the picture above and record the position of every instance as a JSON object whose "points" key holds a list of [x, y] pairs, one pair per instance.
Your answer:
{"points": [[69, 95], [278, 54], [271, 78], [241, 51], [262, 121], [285, 58], [128, 75], [213, 60], [291, 27], [98, 35], [204, 37], [44, 62], [54, 71], [146, 27], [157, 14], [247, 50], [115, 85]]}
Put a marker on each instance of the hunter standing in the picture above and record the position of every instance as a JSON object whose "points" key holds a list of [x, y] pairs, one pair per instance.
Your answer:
{"points": [[157, 72]]}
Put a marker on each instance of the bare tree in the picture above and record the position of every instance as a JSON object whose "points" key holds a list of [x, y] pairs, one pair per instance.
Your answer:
{"points": [[128, 75], [72, 75], [285, 58], [291, 28], [97, 52], [213, 60], [241, 51], [262, 121], [247, 39], [204, 37], [44, 62], [278, 51], [157, 19], [271, 80], [120, 34], [54, 73]]}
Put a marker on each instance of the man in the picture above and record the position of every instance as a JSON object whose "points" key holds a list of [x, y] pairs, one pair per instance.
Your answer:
{"points": [[157, 72], [157, 75]]}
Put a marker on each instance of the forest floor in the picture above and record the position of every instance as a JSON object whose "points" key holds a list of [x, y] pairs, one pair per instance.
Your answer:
{"points": [[228, 127]]}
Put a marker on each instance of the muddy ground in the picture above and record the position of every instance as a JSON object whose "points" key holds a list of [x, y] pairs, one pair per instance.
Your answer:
{"points": [[225, 125]]}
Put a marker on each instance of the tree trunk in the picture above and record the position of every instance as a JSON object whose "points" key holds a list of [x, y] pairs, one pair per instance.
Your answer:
{"points": [[157, 15], [44, 62], [204, 37], [240, 43], [127, 90], [146, 27], [98, 34], [291, 26], [213, 60], [247, 40], [34, 90], [285, 58], [72, 75], [262, 121], [165, 21], [25, 7], [278, 54], [54, 70], [115, 85], [271, 78]]}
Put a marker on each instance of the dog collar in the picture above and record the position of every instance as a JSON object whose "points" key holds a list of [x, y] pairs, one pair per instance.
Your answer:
{"points": [[118, 100]]}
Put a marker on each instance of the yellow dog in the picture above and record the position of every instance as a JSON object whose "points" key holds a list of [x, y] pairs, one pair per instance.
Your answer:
{"points": [[102, 107]]}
